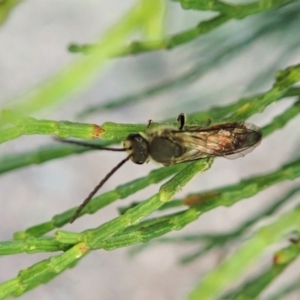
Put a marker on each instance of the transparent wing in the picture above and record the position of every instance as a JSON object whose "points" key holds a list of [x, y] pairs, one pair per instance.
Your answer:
{"points": [[231, 140]]}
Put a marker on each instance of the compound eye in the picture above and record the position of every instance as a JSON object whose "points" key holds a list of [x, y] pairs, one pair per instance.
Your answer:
{"points": [[139, 139], [139, 146]]}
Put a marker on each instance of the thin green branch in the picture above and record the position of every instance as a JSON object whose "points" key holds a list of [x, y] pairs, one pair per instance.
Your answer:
{"points": [[236, 11], [95, 237], [228, 111], [285, 80], [120, 192], [220, 240], [227, 12], [42, 272], [129, 228], [240, 191], [31, 245], [210, 241], [229, 271], [152, 228], [48, 269], [167, 43], [12, 162], [215, 54], [277, 123], [127, 189], [226, 196], [281, 120], [61, 129], [253, 288], [147, 230], [110, 236]]}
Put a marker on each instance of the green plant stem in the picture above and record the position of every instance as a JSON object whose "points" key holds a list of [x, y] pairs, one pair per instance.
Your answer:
{"points": [[120, 192], [12, 162], [41, 272], [103, 236], [132, 187], [285, 79], [95, 237], [226, 196], [49, 268], [252, 288], [230, 270], [226, 238], [149, 229], [31, 245], [61, 129], [221, 112], [218, 240], [227, 12], [237, 11]]}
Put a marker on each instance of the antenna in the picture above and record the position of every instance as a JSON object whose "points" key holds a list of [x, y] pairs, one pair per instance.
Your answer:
{"points": [[88, 145], [95, 190]]}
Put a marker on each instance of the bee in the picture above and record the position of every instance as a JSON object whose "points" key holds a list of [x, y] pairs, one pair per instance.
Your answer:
{"points": [[168, 145]]}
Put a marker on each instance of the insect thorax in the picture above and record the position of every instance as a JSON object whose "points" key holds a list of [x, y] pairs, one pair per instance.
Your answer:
{"points": [[163, 150]]}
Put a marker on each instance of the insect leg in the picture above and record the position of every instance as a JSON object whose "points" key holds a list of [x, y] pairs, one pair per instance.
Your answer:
{"points": [[181, 120], [149, 123]]}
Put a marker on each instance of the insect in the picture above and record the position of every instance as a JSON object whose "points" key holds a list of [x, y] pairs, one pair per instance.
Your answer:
{"points": [[170, 145]]}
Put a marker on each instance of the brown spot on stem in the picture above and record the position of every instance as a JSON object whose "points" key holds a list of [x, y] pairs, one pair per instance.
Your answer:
{"points": [[277, 258], [97, 131], [197, 199], [83, 248]]}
